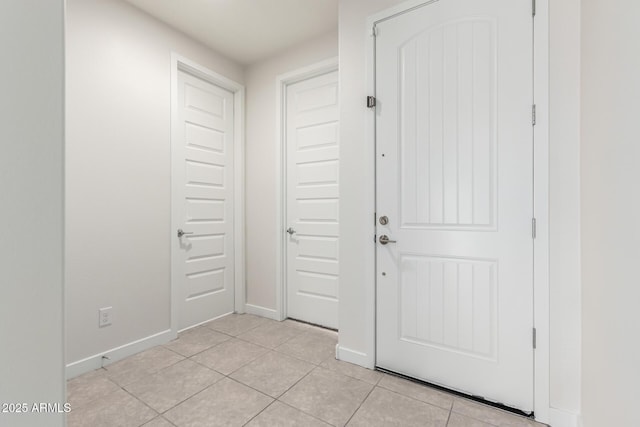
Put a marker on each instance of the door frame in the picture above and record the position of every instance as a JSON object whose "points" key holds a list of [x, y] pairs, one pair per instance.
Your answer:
{"points": [[541, 308], [282, 82], [180, 63]]}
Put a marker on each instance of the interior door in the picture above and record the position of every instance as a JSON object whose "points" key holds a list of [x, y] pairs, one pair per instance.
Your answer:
{"points": [[312, 138], [454, 181], [202, 198]]}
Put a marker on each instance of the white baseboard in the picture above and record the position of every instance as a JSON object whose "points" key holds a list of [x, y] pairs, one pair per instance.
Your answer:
{"points": [[560, 418], [94, 362], [353, 356], [269, 313]]}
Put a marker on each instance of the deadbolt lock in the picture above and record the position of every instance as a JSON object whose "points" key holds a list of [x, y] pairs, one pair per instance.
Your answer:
{"points": [[384, 220]]}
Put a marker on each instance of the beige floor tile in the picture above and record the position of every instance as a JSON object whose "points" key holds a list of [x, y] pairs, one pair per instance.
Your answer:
{"points": [[88, 387], [170, 386], [457, 420], [281, 415], [490, 415], [273, 373], [271, 334], [416, 391], [159, 422], [236, 324], [196, 340], [226, 403], [367, 375], [229, 356], [386, 408], [328, 395], [138, 366], [312, 346], [117, 409]]}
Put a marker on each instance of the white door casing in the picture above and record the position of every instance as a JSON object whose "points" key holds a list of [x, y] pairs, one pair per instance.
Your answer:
{"points": [[312, 199], [203, 201], [454, 176]]}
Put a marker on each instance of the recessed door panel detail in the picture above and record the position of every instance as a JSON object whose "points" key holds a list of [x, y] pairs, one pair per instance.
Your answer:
{"points": [[205, 246], [318, 285], [204, 210], [447, 130], [316, 136], [317, 98], [320, 172], [204, 100], [449, 303], [204, 138], [320, 210], [312, 213], [204, 174], [318, 247], [205, 283]]}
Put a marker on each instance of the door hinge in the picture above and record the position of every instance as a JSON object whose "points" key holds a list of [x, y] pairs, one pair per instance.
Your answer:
{"points": [[533, 228], [371, 101], [374, 31], [533, 114], [535, 338], [533, 8]]}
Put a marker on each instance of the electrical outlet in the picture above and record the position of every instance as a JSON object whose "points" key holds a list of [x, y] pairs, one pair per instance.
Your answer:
{"points": [[104, 316]]}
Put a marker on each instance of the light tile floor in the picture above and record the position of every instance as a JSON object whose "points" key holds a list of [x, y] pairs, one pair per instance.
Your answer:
{"points": [[244, 370]]}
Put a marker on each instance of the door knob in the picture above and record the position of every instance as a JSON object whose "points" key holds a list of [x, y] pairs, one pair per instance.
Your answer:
{"points": [[182, 233], [384, 239], [291, 231]]}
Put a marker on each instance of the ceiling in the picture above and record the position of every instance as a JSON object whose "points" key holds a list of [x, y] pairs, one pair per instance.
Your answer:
{"points": [[246, 30]]}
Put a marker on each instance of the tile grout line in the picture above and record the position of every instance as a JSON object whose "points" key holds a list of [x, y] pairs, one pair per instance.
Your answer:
{"points": [[259, 412], [360, 405], [194, 394], [298, 409]]}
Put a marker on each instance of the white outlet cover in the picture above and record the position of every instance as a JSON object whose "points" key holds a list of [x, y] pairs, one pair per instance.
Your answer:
{"points": [[105, 316]]}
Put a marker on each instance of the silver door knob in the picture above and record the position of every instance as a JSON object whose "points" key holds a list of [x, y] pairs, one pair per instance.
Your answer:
{"points": [[291, 231], [384, 239], [182, 233]]}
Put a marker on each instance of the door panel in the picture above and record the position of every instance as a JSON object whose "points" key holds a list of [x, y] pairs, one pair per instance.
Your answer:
{"points": [[455, 177], [312, 138], [202, 182]]}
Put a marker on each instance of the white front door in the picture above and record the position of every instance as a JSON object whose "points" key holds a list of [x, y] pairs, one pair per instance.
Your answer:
{"points": [[202, 199], [312, 137], [455, 178]]}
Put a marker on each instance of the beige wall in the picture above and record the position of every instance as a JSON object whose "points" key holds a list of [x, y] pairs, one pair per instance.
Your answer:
{"points": [[261, 169], [31, 212], [118, 171], [610, 212], [356, 228]]}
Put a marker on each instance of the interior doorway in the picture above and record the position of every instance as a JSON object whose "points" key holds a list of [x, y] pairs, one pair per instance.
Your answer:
{"points": [[454, 183], [207, 255], [310, 189]]}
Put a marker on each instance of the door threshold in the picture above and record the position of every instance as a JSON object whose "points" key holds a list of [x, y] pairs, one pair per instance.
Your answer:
{"points": [[478, 399], [313, 324]]}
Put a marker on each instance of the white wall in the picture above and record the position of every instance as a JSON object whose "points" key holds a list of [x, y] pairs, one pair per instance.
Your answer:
{"points": [[261, 148], [31, 212], [356, 228], [610, 212], [118, 171], [564, 166]]}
